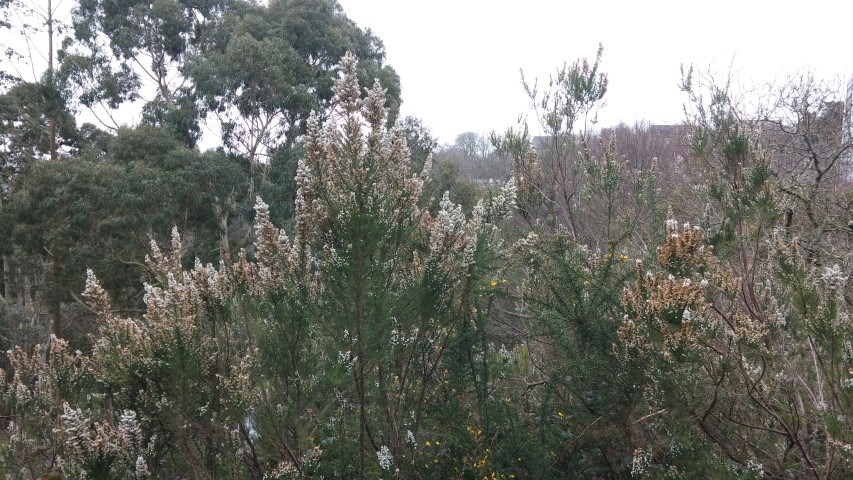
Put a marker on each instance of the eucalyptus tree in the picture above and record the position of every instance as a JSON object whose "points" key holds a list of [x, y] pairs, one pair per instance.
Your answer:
{"points": [[34, 118], [35, 125], [126, 50], [25, 113], [275, 66]]}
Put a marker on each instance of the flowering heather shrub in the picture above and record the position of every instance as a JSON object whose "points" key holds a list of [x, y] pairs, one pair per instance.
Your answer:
{"points": [[359, 307], [318, 354], [728, 387], [32, 405]]}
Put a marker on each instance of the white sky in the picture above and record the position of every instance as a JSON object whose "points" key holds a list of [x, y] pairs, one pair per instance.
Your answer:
{"points": [[459, 60]]}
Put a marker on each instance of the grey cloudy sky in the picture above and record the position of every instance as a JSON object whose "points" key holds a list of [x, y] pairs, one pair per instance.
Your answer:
{"points": [[459, 60]]}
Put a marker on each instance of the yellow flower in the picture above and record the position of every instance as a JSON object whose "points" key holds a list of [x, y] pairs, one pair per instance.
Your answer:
{"points": [[427, 443], [503, 280], [560, 414], [586, 282], [493, 283], [437, 443], [623, 257]]}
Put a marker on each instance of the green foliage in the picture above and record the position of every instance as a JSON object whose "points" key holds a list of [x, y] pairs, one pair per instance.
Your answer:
{"points": [[96, 213], [580, 397], [556, 173], [181, 119], [420, 141], [24, 113], [112, 38], [728, 153], [737, 334], [445, 178]]}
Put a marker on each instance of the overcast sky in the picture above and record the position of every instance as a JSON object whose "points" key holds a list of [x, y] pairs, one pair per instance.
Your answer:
{"points": [[459, 60]]}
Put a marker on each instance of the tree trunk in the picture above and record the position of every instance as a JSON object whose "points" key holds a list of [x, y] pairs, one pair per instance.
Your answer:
{"points": [[5, 261], [7, 270], [359, 367], [7, 279], [55, 300], [52, 118], [222, 216]]}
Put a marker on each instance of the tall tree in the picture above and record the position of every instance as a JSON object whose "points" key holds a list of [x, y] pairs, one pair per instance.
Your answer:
{"points": [[119, 46], [276, 65], [26, 111], [28, 104]]}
